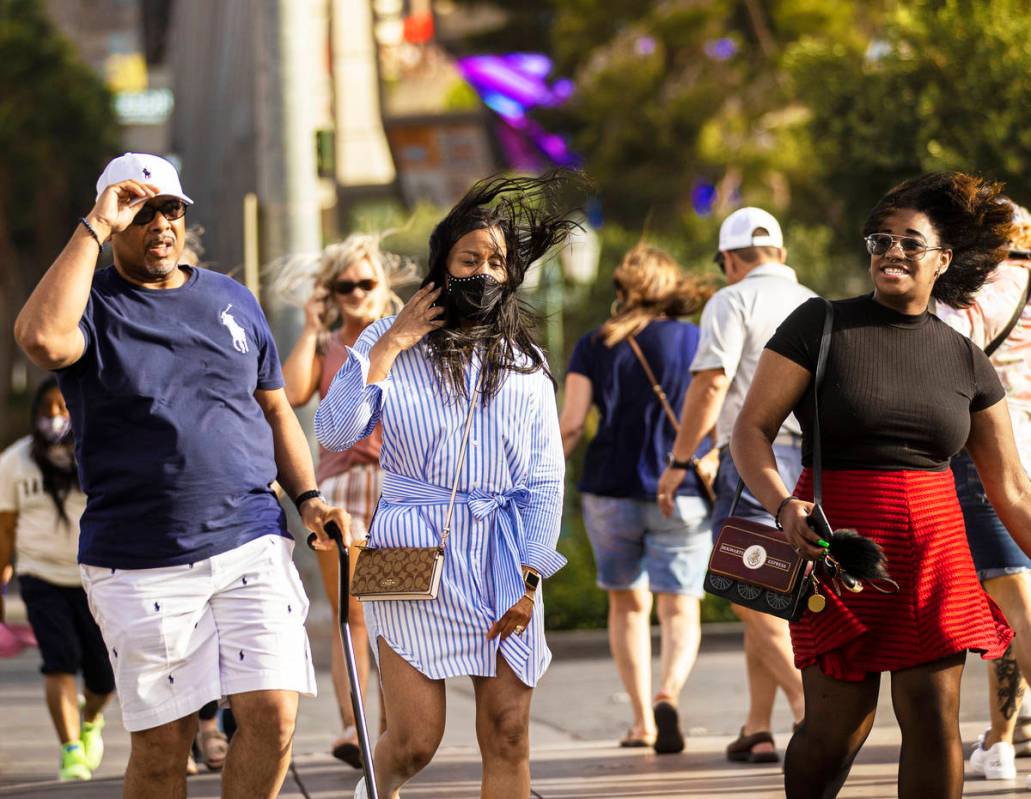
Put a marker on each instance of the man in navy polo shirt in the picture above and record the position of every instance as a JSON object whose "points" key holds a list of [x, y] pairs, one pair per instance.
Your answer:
{"points": [[181, 426]]}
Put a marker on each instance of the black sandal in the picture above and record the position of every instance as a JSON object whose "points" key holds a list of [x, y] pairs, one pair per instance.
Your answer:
{"points": [[740, 751], [669, 740], [349, 753]]}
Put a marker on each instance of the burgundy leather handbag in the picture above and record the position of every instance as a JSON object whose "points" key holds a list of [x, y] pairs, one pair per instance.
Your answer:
{"points": [[752, 564]]}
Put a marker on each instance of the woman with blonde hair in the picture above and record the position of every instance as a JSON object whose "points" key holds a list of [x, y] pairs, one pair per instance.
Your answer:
{"points": [[352, 289], [633, 368]]}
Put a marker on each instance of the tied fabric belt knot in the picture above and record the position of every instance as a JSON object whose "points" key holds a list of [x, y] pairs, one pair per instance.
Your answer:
{"points": [[507, 565], [484, 503], [507, 570]]}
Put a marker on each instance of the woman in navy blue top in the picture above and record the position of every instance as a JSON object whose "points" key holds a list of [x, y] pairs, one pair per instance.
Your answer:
{"points": [[637, 550]]}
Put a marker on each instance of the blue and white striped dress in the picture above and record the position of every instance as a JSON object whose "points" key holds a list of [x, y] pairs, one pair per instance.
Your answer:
{"points": [[507, 512]]}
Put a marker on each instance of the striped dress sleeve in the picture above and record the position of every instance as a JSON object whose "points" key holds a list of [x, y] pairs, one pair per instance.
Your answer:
{"points": [[351, 408], [542, 518]]}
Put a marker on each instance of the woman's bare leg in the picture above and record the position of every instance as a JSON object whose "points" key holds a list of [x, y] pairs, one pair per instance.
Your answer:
{"points": [[630, 638], [415, 709], [1006, 683], [503, 731]]}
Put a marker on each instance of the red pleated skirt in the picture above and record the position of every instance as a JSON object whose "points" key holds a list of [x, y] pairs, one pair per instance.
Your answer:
{"points": [[940, 608]]}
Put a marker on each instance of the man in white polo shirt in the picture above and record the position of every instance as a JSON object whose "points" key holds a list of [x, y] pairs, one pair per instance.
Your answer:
{"points": [[736, 324]]}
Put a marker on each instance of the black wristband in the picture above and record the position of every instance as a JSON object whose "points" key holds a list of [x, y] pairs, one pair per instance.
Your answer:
{"points": [[92, 232], [300, 499], [780, 507], [673, 463]]}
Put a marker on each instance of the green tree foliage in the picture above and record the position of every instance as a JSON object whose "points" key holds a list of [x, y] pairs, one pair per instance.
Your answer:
{"points": [[56, 131], [810, 108], [673, 94], [942, 85]]}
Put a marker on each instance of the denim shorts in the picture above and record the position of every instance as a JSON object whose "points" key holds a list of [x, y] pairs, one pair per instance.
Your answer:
{"points": [[995, 552], [789, 464], [635, 546]]}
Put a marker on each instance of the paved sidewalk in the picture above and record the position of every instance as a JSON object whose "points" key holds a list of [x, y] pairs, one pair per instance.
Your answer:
{"points": [[579, 711]]}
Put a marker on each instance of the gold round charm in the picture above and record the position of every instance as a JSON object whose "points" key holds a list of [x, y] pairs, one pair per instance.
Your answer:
{"points": [[817, 603]]}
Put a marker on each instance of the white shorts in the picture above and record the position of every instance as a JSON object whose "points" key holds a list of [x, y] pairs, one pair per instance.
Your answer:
{"points": [[182, 636]]}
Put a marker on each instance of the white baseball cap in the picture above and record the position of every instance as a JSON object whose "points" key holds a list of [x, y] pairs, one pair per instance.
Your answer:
{"points": [[737, 229], [145, 168]]}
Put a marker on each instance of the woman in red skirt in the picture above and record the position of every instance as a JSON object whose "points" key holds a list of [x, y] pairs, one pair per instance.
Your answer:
{"points": [[902, 394]]}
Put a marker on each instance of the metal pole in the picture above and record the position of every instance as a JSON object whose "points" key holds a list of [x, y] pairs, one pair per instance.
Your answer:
{"points": [[287, 66], [287, 54], [362, 153], [251, 270]]}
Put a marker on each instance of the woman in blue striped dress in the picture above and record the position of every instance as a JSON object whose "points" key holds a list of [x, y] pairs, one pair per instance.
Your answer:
{"points": [[463, 337]]}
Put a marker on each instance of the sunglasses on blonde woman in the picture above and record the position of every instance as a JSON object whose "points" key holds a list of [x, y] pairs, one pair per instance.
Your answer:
{"points": [[348, 286]]}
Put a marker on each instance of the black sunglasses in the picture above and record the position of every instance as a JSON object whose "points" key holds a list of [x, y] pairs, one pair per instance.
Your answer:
{"points": [[720, 260], [348, 286], [169, 209]]}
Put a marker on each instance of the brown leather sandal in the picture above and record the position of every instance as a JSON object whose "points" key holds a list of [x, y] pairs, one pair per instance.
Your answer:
{"points": [[740, 751]]}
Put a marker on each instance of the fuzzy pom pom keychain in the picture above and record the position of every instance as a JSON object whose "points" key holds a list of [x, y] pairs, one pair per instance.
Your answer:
{"points": [[851, 557]]}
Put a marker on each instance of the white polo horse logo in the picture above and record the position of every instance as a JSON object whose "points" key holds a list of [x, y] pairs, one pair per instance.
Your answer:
{"points": [[237, 332]]}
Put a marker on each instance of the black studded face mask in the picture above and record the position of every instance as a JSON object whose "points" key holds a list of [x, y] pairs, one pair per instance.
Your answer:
{"points": [[472, 299]]}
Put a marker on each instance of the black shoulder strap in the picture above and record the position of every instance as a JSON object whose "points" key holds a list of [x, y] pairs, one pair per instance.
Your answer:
{"points": [[821, 368], [1005, 334]]}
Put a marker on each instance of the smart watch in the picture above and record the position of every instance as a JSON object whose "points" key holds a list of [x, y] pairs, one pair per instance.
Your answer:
{"points": [[532, 581]]}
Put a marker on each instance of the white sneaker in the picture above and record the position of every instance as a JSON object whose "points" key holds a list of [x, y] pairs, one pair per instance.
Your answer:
{"points": [[359, 790], [996, 763]]}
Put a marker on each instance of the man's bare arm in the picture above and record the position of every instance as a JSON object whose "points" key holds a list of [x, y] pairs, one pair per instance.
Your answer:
{"points": [[296, 473], [47, 327]]}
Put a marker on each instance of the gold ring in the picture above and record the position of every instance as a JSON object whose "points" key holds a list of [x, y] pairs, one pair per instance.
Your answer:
{"points": [[520, 629]]}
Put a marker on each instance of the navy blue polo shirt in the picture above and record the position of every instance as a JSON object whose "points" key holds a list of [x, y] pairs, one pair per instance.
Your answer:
{"points": [[174, 452], [627, 455]]}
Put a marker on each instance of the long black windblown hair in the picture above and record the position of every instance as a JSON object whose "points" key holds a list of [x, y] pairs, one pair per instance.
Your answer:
{"points": [[57, 482], [533, 214]]}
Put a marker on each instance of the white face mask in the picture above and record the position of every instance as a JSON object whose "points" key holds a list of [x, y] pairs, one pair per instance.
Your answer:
{"points": [[54, 429]]}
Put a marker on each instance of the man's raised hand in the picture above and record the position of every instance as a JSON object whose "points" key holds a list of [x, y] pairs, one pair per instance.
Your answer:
{"points": [[118, 205]]}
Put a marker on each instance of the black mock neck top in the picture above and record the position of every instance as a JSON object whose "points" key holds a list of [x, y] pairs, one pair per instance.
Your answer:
{"points": [[898, 391]]}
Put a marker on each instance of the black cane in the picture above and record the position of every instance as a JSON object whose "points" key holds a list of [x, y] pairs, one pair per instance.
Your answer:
{"points": [[344, 605]]}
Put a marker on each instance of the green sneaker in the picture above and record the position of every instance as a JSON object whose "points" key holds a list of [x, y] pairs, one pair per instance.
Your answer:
{"points": [[92, 742], [73, 763]]}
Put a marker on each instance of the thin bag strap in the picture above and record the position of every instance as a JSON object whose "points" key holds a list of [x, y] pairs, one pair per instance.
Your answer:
{"points": [[654, 381], [446, 532], [821, 368], [1005, 334]]}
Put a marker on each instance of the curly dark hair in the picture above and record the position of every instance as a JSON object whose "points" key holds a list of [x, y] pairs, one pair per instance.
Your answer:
{"points": [[971, 217], [533, 215]]}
